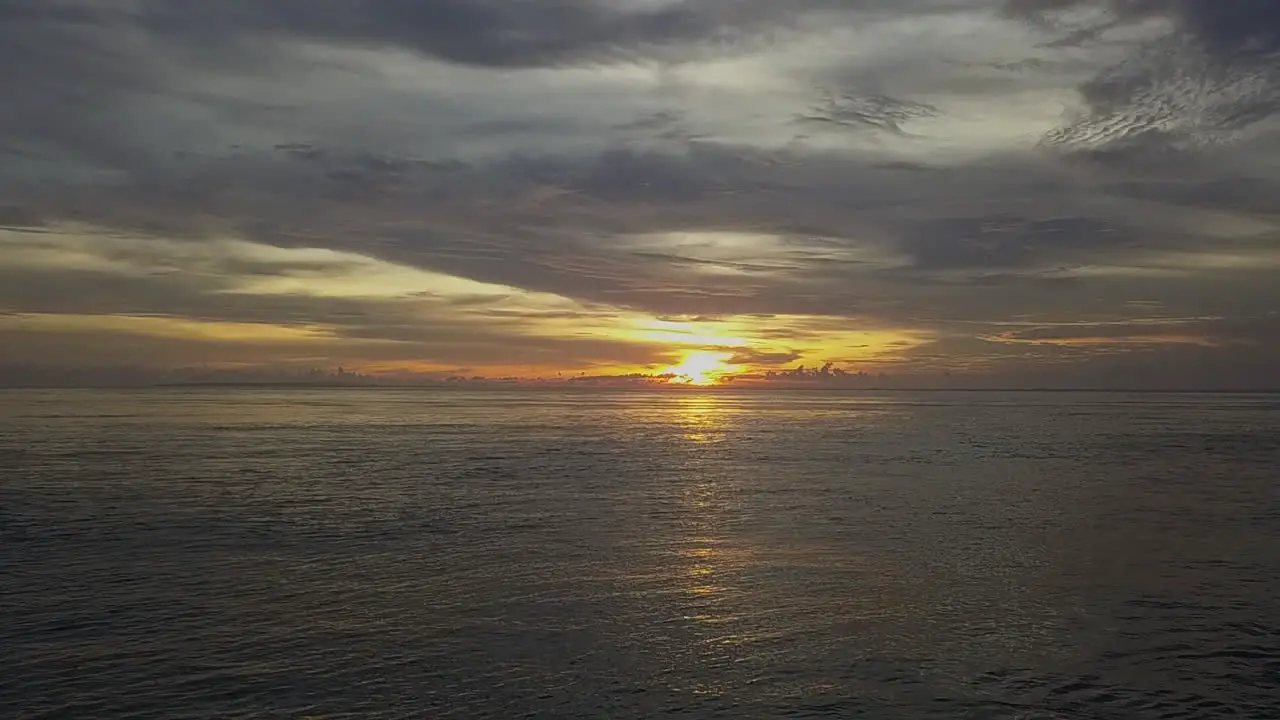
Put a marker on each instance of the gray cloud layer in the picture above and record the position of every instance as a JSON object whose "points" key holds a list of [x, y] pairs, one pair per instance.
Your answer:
{"points": [[1075, 191]]}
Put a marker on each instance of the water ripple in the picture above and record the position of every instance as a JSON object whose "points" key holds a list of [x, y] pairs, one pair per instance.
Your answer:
{"points": [[387, 554]]}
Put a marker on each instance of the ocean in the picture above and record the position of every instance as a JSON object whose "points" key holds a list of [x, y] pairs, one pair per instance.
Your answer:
{"points": [[381, 553]]}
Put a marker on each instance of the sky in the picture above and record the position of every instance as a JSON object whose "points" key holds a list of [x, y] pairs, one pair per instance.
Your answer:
{"points": [[1002, 193]]}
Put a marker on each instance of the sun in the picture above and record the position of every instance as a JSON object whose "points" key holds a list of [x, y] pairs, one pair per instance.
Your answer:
{"points": [[700, 368]]}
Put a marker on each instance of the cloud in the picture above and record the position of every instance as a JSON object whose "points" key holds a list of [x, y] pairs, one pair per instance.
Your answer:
{"points": [[482, 32], [875, 111], [1209, 80], [433, 184], [759, 358], [1226, 27]]}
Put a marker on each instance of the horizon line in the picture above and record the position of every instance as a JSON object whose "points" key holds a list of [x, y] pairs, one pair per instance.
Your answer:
{"points": [[496, 385]]}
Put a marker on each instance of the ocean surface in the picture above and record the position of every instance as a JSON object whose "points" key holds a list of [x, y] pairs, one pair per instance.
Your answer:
{"points": [[356, 553]]}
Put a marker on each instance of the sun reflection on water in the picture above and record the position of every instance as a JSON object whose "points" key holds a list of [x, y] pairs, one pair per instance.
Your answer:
{"points": [[703, 418], [707, 559]]}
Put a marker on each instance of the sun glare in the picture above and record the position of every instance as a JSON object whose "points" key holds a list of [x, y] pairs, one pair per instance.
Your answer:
{"points": [[700, 368]]}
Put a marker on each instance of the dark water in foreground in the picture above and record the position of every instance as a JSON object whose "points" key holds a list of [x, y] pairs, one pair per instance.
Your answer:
{"points": [[409, 554]]}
